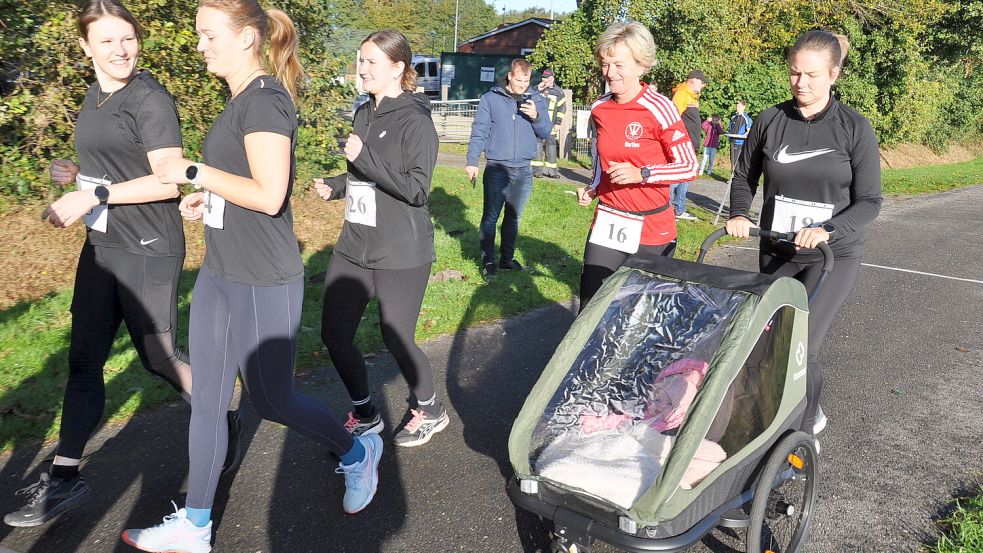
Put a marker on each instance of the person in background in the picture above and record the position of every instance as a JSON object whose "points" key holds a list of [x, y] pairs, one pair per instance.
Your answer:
{"points": [[556, 110], [822, 181], [507, 128], [686, 97], [711, 141], [737, 130]]}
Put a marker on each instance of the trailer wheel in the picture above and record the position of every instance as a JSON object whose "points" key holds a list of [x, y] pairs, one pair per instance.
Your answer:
{"points": [[557, 546], [784, 497]]}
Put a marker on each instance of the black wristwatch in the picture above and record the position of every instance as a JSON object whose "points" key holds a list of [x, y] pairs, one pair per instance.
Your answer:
{"points": [[646, 173], [827, 226], [102, 194], [192, 173]]}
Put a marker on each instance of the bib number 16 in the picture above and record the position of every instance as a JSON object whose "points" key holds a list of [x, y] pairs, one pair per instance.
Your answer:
{"points": [[617, 230]]}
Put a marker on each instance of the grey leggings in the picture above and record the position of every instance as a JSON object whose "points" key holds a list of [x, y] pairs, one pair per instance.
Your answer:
{"points": [[837, 288], [252, 329]]}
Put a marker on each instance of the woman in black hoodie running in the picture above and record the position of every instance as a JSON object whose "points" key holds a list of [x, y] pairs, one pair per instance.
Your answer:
{"points": [[822, 172], [386, 246]]}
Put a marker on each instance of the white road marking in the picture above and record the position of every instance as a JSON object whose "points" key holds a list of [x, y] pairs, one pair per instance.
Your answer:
{"points": [[885, 267]]}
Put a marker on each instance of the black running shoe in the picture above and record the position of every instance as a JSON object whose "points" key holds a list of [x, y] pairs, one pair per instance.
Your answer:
{"points": [[419, 426], [234, 451], [48, 498], [510, 265], [488, 270], [357, 426]]}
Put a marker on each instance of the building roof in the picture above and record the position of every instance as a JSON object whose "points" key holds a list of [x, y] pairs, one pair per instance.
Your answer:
{"points": [[542, 21]]}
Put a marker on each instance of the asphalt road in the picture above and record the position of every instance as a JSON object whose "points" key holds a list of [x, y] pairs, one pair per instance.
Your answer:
{"points": [[904, 362]]}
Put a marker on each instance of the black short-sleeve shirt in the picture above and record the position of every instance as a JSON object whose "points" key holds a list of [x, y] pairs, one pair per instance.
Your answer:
{"points": [[253, 247], [112, 138]]}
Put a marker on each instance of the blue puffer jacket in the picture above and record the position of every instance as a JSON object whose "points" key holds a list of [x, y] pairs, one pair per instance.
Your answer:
{"points": [[503, 132]]}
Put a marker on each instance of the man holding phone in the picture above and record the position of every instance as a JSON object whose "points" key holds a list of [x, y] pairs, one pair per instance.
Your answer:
{"points": [[507, 128]]}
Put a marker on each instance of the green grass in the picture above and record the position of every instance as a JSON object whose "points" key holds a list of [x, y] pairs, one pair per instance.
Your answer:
{"points": [[34, 335], [934, 178], [963, 529], [918, 180]]}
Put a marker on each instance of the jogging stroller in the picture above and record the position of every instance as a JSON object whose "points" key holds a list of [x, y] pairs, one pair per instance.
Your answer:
{"points": [[672, 406]]}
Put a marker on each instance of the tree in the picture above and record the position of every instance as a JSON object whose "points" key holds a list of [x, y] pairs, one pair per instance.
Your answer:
{"points": [[49, 76]]}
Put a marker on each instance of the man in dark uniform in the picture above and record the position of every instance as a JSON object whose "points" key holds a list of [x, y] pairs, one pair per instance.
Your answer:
{"points": [[556, 103]]}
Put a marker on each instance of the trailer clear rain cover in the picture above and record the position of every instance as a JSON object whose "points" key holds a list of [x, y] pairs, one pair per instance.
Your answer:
{"points": [[610, 426]]}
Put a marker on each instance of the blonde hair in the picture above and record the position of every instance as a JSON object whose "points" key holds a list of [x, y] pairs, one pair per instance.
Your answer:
{"points": [[274, 25], [397, 48], [635, 36]]}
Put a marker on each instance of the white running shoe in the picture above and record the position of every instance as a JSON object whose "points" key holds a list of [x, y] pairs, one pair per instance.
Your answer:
{"points": [[362, 479], [176, 534], [686, 216], [820, 423]]}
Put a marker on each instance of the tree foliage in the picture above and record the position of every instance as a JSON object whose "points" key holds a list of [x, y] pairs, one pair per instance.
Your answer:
{"points": [[913, 67], [46, 76]]}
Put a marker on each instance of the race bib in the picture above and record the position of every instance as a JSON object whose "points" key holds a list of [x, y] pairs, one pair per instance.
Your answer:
{"points": [[792, 214], [616, 230], [360, 203], [98, 218], [214, 210]]}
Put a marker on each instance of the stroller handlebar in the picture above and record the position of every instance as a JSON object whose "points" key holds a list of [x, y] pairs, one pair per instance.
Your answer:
{"points": [[789, 236]]}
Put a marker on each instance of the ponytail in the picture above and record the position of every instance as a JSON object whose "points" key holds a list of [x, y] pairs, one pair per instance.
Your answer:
{"points": [[282, 53], [274, 26]]}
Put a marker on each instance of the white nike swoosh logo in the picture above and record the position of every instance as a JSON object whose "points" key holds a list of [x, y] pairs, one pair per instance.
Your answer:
{"points": [[784, 157], [145, 242]]}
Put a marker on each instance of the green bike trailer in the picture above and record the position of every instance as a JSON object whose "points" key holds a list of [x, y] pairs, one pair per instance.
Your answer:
{"points": [[672, 406]]}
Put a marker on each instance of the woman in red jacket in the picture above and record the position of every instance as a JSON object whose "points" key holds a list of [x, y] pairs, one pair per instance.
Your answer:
{"points": [[642, 148]]}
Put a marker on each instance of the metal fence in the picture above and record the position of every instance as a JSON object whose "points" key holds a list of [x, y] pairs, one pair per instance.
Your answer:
{"points": [[453, 119], [579, 145]]}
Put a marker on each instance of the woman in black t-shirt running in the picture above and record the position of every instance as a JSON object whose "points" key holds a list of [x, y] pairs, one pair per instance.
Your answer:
{"points": [[245, 313], [821, 165], [131, 261]]}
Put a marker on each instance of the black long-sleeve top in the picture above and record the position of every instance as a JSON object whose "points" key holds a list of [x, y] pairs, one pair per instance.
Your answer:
{"points": [[833, 159]]}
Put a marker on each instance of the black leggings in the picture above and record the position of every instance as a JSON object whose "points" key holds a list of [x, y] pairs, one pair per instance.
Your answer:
{"points": [[347, 290], [600, 262], [114, 286], [837, 288], [253, 330]]}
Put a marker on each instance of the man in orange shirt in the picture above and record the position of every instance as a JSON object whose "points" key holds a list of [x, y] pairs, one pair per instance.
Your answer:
{"points": [[686, 97]]}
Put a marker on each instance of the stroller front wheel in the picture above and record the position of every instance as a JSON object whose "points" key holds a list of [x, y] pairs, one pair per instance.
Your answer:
{"points": [[784, 497], [563, 546]]}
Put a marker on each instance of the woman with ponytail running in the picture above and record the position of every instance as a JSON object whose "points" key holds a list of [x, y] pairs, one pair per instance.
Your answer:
{"points": [[245, 314]]}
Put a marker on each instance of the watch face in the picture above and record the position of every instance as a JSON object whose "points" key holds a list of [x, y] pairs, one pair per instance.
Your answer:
{"points": [[191, 172]]}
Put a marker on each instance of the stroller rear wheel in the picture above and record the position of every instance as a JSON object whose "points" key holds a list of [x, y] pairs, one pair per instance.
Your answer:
{"points": [[557, 547], [784, 497]]}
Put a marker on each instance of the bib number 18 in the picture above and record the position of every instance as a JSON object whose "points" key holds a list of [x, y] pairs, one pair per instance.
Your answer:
{"points": [[792, 214]]}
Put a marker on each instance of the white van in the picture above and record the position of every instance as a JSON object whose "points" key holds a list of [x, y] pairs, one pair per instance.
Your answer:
{"points": [[428, 73]]}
